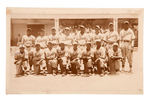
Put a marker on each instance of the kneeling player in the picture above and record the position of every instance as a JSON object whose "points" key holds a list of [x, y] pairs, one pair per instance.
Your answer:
{"points": [[38, 60], [21, 61], [50, 56], [74, 60], [62, 59], [115, 57], [87, 57], [99, 58]]}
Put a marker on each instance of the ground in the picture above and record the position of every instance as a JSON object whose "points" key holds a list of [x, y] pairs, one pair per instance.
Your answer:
{"points": [[121, 83]]}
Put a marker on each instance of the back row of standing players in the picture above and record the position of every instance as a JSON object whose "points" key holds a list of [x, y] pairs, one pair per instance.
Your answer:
{"points": [[72, 49]]}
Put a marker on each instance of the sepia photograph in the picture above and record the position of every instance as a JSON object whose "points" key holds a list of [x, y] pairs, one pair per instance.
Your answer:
{"points": [[74, 50]]}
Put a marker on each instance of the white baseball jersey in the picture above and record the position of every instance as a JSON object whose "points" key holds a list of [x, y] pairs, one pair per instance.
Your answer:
{"points": [[42, 41], [66, 39], [126, 36], [82, 39], [50, 54], [112, 36], [118, 53], [28, 40], [54, 38]]}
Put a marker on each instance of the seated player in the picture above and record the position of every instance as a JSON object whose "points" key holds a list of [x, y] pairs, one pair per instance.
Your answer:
{"points": [[100, 58], [51, 59], [21, 61], [87, 57], [74, 60], [115, 57], [38, 59], [62, 59]]}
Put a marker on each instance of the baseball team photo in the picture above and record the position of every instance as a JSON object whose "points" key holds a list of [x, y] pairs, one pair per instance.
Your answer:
{"points": [[74, 51]]}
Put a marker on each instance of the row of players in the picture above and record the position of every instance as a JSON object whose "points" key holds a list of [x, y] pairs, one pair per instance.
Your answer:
{"points": [[102, 52], [92, 60]]}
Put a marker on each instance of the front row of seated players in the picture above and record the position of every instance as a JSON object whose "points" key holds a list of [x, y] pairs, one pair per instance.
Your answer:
{"points": [[60, 61]]}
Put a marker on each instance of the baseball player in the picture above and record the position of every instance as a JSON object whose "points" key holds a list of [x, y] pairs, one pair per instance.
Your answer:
{"points": [[42, 39], [89, 34], [115, 57], [51, 57], [82, 38], [75, 59], [21, 58], [111, 36], [28, 39], [127, 44], [38, 59], [54, 38], [87, 57], [97, 36], [100, 58], [67, 38], [62, 58]]}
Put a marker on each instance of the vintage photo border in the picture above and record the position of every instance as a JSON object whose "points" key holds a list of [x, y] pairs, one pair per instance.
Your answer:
{"points": [[72, 13]]}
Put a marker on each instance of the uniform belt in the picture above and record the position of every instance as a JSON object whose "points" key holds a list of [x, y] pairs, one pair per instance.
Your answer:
{"points": [[68, 44], [126, 41], [43, 47], [81, 44], [109, 43]]}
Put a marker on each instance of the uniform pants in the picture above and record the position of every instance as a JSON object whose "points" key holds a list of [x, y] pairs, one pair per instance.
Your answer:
{"points": [[51, 66], [98, 64], [37, 69], [62, 67], [49, 69], [19, 69], [126, 53], [75, 67], [112, 66], [86, 68]]}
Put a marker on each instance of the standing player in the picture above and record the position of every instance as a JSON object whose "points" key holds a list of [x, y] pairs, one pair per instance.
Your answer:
{"points": [[42, 39], [54, 38], [81, 38], [51, 57], [67, 38], [28, 39], [21, 61], [127, 44], [111, 36], [97, 36]]}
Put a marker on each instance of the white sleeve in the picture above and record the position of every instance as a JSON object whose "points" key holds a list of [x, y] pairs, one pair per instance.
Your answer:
{"points": [[121, 33], [23, 39], [133, 36], [42, 55], [118, 38], [119, 53]]}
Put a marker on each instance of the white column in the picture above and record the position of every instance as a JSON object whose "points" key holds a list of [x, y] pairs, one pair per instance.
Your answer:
{"points": [[115, 22], [56, 24]]}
